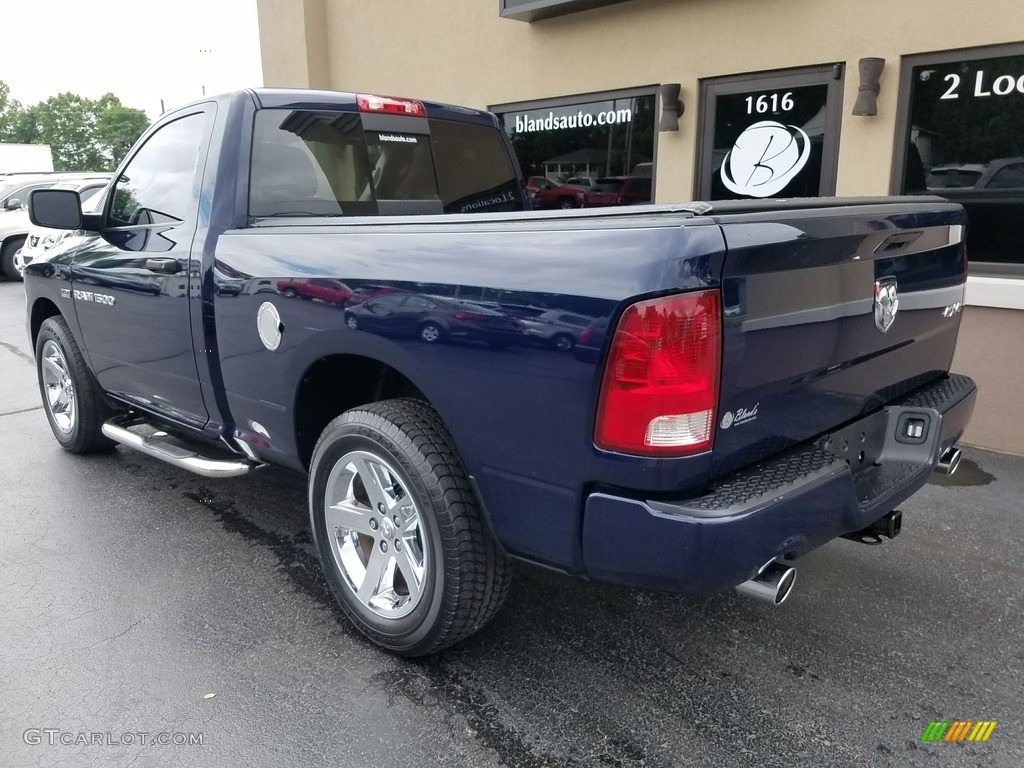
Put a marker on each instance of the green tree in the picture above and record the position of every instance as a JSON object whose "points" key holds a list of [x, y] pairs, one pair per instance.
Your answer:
{"points": [[84, 134], [117, 128], [68, 124], [25, 127], [10, 111]]}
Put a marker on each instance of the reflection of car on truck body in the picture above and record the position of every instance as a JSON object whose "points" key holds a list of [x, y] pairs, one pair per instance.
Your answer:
{"points": [[559, 329], [332, 291], [758, 377], [433, 318]]}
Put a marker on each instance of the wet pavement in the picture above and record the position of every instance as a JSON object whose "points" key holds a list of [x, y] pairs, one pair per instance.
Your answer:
{"points": [[138, 600]]}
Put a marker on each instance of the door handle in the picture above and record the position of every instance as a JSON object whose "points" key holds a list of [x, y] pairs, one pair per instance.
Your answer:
{"points": [[167, 266]]}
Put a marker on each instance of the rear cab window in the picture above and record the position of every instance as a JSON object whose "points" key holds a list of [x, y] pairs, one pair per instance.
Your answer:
{"points": [[333, 163]]}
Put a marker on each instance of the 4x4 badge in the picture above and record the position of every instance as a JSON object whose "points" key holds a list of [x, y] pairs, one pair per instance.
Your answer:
{"points": [[887, 301]]}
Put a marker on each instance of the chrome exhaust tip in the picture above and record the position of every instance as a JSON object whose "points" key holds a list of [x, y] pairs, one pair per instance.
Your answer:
{"points": [[949, 461], [772, 584]]}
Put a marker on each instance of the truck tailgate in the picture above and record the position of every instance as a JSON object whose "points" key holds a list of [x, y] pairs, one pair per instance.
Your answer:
{"points": [[828, 314]]}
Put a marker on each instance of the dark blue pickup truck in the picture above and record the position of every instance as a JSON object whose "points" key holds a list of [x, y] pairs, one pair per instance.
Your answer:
{"points": [[353, 287]]}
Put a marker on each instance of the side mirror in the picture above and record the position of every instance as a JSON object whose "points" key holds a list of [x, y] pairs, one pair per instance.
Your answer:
{"points": [[12, 204], [55, 208]]}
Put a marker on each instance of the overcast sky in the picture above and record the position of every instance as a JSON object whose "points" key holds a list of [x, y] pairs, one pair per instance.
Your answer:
{"points": [[140, 51]]}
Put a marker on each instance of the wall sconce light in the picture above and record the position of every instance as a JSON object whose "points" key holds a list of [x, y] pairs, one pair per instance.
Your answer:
{"points": [[867, 93], [671, 107]]}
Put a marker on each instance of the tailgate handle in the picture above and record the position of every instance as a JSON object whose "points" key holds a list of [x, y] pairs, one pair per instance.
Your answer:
{"points": [[897, 242]]}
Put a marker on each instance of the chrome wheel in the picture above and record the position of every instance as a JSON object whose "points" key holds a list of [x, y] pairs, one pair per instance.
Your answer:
{"points": [[375, 535], [430, 333], [58, 388], [403, 544]]}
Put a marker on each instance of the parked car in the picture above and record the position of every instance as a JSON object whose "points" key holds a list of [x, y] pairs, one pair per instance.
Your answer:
{"points": [[618, 190], [38, 240], [14, 192], [15, 188], [556, 328], [332, 291], [433, 318]]}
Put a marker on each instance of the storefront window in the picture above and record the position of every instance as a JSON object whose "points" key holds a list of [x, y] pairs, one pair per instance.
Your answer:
{"points": [[771, 134], [962, 137], [582, 142]]}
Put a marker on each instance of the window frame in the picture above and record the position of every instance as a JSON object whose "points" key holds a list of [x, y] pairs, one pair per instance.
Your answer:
{"points": [[832, 75], [907, 64], [207, 111], [989, 271]]}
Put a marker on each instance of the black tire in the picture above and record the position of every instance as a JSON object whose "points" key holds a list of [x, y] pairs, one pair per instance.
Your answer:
{"points": [[464, 578], [563, 342], [431, 333], [352, 322], [10, 248], [81, 431], [290, 293], [565, 203]]}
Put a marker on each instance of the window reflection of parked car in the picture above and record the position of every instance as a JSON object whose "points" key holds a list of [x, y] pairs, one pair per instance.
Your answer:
{"points": [[566, 196], [954, 176], [1003, 173], [536, 183], [333, 291], [557, 328], [994, 206], [432, 319], [618, 190]]}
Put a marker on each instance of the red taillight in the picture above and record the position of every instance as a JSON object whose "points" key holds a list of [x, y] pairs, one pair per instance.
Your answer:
{"points": [[660, 386], [390, 106]]}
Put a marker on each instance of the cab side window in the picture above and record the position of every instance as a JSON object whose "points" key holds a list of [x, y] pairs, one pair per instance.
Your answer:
{"points": [[157, 185]]}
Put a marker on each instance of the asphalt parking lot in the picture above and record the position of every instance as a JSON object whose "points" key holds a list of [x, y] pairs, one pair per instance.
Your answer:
{"points": [[141, 603]]}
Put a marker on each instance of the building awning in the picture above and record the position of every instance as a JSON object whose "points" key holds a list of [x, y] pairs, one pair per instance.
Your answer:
{"points": [[535, 10]]}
